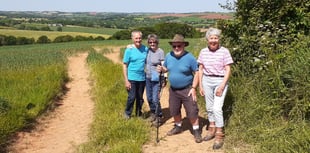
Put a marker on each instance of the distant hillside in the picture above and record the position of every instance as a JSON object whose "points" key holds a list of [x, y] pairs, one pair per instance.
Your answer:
{"points": [[110, 19], [199, 15]]}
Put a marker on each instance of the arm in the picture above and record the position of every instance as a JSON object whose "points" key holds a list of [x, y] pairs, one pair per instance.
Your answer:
{"points": [[200, 74], [127, 83], [221, 87], [130, 46], [194, 86]]}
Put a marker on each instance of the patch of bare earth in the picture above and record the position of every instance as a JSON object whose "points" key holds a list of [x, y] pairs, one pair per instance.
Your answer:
{"points": [[215, 16], [181, 143], [61, 130]]}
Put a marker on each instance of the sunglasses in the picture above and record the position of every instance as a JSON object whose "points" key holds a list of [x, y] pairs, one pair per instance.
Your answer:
{"points": [[175, 46], [152, 42]]}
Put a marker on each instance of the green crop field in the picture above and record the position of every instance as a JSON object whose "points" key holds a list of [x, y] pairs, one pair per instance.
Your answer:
{"points": [[50, 34]]}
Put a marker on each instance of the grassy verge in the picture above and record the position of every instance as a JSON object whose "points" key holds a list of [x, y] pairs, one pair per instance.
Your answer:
{"points": [[271, 108], [110, 131]]}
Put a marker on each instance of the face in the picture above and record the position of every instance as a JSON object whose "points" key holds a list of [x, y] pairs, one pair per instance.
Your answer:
{"points": [[153, 44], [213, 42], [178, 48], [137, 39]]}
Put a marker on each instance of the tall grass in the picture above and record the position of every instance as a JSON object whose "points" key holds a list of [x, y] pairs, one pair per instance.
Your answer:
{"points": [[110, 131], [271, 108]]}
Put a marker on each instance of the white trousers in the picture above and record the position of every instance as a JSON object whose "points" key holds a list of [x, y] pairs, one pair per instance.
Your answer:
{"points": [[214, 104]]}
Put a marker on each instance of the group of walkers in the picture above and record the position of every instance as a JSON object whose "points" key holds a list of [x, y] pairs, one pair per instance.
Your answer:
{"points": [[142, 69]]}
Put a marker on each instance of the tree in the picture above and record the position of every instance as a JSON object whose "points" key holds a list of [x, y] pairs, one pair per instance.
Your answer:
{"points": [[10, 40], [121, 35], [22, 41], [66, 38], [163, 30], [43, 39], [168, 30], [2, 40], [59, 28], [45, 28], [260, 27]]}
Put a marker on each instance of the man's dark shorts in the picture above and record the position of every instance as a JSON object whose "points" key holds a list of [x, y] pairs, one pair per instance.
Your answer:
{"points": [[179, 97]]}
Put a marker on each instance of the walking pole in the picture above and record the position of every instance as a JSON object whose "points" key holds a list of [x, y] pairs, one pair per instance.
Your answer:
{"points": [[158, 103], [157, 107]]}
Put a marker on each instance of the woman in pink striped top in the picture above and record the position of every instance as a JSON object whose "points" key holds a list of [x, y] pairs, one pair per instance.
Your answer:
{"points": [[214, 71]]}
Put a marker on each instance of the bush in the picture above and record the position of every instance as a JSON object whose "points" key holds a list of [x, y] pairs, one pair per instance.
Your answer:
{"points": [[43, 40], [270, 80], [99, 38], [24, 41], [10, 40], [66, 38]]}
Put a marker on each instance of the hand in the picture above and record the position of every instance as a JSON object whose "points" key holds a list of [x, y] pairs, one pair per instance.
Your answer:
{"points": [[219, 91], [201, 91], [128, 85], [192, 93], [159, 68]]}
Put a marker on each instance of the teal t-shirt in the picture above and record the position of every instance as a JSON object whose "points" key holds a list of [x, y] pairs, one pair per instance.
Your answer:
{"points": [[135, 60]]}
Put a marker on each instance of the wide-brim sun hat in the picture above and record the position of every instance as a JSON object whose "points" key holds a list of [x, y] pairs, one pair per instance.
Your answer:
{"points": [[178, 39]]}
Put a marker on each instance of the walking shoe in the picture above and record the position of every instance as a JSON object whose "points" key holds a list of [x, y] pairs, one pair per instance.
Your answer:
{"points": [[126, 117], [152, 117], [157, 122], [208, 137], [219, 140], [210, 133], [175, 130], [197, 136]]}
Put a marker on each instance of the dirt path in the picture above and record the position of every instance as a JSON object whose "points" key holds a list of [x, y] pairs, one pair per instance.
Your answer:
{"points": [[68, 125], [181, 143]]}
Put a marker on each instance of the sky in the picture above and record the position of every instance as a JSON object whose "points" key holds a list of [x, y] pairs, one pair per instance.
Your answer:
{"points": [[125, 6]]}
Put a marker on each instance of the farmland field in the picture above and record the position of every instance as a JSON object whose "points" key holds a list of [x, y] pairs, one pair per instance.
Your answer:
{"points": [[50, 34], [89, 30]]}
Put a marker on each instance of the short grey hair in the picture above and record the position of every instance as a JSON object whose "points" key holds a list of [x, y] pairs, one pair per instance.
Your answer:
{"points": [[152, 36], [136, 31], [213, 31]]}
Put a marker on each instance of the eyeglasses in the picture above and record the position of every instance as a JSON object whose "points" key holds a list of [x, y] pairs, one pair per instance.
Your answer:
{"points": [[152, 42], [175, 46]]}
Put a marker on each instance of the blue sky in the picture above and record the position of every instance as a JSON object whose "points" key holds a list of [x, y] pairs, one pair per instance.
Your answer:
{"points": [[127, 6]]}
